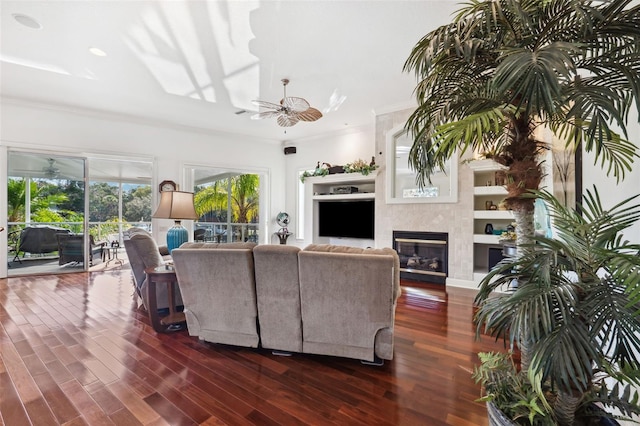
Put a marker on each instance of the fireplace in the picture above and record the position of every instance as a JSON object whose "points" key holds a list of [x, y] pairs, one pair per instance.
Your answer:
{"points": [[423, 255]]}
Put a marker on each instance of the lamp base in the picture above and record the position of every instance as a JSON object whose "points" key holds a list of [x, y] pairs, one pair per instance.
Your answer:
{"points": [[176, 236]]}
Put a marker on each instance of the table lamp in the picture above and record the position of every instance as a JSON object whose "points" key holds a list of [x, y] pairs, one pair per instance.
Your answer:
{"points": [[176, 205]]}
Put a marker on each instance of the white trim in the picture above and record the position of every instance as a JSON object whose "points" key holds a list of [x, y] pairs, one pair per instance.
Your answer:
{"points": [[3, 210], [104, 115], [390, 179], [264, 207], [454, 282]]}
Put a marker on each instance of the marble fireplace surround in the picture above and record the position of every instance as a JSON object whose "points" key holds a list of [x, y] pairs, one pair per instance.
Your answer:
{"points": [[454, 219]]}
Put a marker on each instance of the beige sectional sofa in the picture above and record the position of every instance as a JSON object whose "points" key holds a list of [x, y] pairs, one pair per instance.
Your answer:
{"points": [[325, 299], [217, 282]]}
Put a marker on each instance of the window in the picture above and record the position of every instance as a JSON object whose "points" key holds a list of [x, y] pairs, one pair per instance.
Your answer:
{"points": [[229, 207]]}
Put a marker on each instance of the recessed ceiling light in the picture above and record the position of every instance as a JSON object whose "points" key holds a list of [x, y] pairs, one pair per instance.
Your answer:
{"points": [[27, 21], [97, 51]]}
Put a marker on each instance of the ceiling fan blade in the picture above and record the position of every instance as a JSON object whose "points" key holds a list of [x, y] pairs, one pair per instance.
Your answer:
{"points": [[265, 114], [295, 104], [287, 120], [268, 105], [311, 114]]}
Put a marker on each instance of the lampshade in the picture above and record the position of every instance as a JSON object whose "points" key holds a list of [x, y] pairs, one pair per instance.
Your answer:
{"points": [[177, 205]]}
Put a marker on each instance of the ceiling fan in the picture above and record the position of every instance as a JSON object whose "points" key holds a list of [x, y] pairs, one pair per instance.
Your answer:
{"points": [[51, 171], [290, 110]]}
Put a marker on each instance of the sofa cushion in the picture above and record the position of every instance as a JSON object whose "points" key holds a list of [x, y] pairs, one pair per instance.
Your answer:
{"points": [[217, 282], [347, 299], [278, 295], [386, 251]]}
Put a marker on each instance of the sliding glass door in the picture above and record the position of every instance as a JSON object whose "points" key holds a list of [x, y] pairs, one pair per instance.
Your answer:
{"points": [[58, 223], [119, 197], [46, 213]]}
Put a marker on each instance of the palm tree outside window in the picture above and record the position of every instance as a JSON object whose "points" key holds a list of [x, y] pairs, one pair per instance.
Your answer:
{"points": [[229, 208]]}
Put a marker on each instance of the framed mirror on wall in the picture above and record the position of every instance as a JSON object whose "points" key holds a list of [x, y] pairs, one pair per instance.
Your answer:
{"points": [[401, 186]]}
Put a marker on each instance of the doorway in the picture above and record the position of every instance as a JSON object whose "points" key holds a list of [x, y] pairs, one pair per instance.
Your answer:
{"points": [[45, 214], [93, 198]]}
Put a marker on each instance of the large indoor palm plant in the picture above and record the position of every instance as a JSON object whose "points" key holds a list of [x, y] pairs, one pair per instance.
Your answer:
{"points": [[576, 298], [504, 68], [501, 70]]}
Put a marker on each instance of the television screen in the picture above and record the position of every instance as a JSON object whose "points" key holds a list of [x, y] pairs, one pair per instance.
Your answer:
{"points": [[346, 218]]}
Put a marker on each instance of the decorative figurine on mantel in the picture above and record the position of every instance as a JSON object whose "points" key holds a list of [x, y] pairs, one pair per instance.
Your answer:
{"points": [[283, 233]]}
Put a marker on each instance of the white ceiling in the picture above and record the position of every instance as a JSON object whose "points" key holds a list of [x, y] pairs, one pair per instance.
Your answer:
{"points": [[197, 63]]}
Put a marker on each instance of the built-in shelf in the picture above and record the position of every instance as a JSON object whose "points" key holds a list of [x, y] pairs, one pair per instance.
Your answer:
{"points": [[490, 190], [486, 193], [354, 196], [323, 188], [486, 239], [341, 178], [493, 214], [479, 166]]}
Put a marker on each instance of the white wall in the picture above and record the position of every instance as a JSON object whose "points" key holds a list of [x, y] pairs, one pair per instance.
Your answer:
{"points": [[28, 126], [612, 192]]}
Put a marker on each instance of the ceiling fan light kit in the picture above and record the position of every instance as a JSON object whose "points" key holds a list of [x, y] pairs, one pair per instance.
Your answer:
{"points": [[289, 111]]}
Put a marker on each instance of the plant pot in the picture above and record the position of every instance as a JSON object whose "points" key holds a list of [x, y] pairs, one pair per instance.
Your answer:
{"points": [[509, 250], [497, 417]]}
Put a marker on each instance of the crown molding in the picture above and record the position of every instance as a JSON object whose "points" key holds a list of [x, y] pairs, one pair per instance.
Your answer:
{"points": [[112, 116]]}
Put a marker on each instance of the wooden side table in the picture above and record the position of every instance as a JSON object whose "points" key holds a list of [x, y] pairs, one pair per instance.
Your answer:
{"points": [[163, 274]]}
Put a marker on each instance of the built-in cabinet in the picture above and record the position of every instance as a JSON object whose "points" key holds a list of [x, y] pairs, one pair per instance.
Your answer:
{"points": [[488, 221], [335, 187]]}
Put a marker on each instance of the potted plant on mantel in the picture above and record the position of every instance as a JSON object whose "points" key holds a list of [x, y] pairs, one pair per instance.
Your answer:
{"points": [[358, 166], [576, 299], [504, 68]]}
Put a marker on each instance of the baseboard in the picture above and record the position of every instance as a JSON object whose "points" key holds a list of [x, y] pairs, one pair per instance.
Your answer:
{"points": [[453, 282]]}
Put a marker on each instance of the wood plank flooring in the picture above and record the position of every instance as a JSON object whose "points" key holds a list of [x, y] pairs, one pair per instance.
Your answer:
{"points": [[76, 350]]}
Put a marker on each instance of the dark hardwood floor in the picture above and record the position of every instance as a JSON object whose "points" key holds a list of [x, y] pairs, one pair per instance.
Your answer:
{"points": [[74, 350]]}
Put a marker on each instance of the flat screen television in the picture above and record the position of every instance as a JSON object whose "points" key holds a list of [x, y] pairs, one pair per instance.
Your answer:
{"points": [[346, 218]]}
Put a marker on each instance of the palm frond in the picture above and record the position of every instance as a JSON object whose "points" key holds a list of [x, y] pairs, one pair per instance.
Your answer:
{"points": [[573, 62], [534, 78], [577, 299], [623, 398]]}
